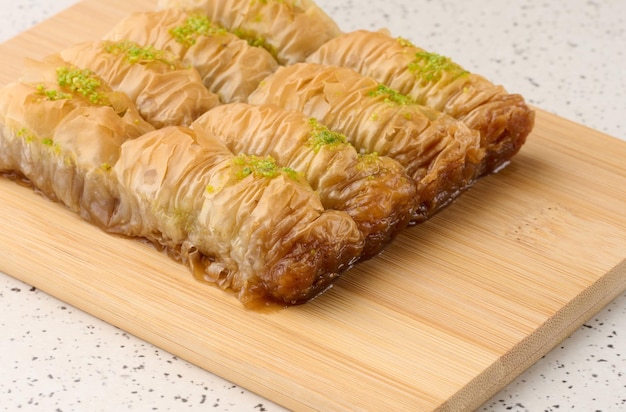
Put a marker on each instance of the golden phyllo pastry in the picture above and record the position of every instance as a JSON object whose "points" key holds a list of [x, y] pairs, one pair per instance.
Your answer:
{"points": [[289, 29], [504, 120], [64, 136], [229, 66], [374, 190], [441, 154], [164, 90], [241, 222], [253, 141]]}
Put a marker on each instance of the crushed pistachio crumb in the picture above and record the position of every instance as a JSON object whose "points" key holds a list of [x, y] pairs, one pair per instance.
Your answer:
{"points": [[321, 136], [254, 40], [253, 165], [83, 82], [291, 173], [431, 67], [369, 162], [51, 94], [392, 97], [195, 26], [25, 134], [404, 42], [51, 144], [370, 158], [135, 53], [246, 165]]}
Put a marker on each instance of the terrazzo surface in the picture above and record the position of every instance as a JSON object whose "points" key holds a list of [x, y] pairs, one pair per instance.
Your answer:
{"points": [[566, 57]]}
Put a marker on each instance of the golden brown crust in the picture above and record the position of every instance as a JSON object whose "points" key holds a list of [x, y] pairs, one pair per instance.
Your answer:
{"points": [[504, 123]]}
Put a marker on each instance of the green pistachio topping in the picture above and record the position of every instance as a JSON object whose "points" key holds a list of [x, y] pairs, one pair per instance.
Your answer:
{"points": [[258, 166], [51, 94], [83, 82], [46, 141], [25, 134], [369, 163], [293, 174], [246, 165], [392, 97], [404, 42], [254, 40], [320, 136], [135, 53], [431, 66], [199, 25], [30, 137], [372, 157], [195, 26]]}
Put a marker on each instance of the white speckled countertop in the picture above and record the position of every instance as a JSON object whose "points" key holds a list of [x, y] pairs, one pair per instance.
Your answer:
{"points": [[566, 57]]}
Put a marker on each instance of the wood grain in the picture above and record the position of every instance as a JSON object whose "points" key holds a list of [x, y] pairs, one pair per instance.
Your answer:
{"points": [[450, 313]]}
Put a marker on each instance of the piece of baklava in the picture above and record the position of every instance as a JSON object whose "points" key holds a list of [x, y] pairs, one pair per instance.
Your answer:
{"points": [[229, 66], [165, 91], [374, 190], [290, 29], [64, 136], [504, 120], [240, 222]]}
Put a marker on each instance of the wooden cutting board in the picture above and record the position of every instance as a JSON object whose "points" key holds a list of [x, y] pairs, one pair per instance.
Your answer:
{"points": [[450, 313]]}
